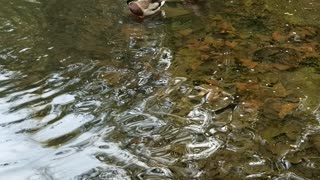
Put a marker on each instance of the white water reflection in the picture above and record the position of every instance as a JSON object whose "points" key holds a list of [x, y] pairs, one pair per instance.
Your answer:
{"points": [[19, 155], [203, 150], [23, 158], [67, 125]]}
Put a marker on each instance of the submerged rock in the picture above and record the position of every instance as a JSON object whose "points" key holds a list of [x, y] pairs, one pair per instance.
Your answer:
{"points": [[275, 108], [278, 55]]}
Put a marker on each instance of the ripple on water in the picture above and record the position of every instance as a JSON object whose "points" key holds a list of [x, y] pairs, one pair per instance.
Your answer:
{"points": [[139, 124], [87, 92], [65, 126]]}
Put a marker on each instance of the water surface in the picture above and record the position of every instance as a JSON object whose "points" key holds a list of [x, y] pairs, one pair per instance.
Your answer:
{"points": [[212, 90]]}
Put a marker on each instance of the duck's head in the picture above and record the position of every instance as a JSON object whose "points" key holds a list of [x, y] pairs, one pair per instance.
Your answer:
{"points": [[143, 8], [135, 8]]}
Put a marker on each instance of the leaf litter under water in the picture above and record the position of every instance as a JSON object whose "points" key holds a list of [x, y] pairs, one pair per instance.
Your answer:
{"points": [[256, 68], [245, 107]]}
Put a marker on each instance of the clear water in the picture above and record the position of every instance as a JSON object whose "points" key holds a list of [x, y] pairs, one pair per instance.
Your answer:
{"points": [[213, 90]]}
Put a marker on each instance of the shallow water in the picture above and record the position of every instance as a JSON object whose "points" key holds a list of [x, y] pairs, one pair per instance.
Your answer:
{"points": [[214, 90]]}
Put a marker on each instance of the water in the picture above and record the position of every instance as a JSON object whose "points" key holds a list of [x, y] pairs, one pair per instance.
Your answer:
{"points": [[213, 90]]}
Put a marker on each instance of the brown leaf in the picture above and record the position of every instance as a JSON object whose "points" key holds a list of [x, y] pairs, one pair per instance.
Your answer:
{"points": [[281, 67], [251, 106], [277, 36], [211, 81], [195, 65], [286, 109], [213, 41], [308, 47], [204, 47], [250, 87], [204, 57], [248, 63], [198, 45], [226, 27], [242, 86], [231, 44]]}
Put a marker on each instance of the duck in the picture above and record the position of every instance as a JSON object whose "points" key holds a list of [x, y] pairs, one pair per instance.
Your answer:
{"points": [[143, 8]]}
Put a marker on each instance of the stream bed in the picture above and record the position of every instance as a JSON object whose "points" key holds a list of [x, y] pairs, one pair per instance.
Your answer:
{"points": [[206, 90]]}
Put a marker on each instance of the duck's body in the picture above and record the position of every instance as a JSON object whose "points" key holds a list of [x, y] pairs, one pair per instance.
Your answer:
{"points": [[143, 8]]}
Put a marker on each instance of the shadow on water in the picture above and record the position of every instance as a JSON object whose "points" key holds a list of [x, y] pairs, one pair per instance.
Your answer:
{"points": [[213, 90]]}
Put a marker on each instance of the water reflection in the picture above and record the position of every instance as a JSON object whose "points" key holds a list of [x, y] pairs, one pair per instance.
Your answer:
{"points": [[89, 92]]}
